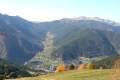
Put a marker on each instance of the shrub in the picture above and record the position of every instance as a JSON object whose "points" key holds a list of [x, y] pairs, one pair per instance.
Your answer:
{"points": [[86, 66], [60, 68], [82, 66], [2, 77], [115, 71], [71, 67], [90, 66]]}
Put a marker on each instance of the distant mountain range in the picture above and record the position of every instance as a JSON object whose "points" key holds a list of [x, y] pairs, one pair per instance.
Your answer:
{"points": [[72, 39]]}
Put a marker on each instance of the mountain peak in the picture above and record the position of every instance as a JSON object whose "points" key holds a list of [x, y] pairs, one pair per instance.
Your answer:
{"points": [[93, 19]]}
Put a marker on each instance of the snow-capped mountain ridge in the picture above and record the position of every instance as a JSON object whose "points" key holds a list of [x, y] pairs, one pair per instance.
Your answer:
{"points": [[92, 18]]}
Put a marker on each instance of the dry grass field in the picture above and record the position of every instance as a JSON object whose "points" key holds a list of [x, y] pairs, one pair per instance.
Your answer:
{"points": [[101, 74]]}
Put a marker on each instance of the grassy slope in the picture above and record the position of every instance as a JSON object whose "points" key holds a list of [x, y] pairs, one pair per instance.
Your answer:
{"points": [[75, 75]]}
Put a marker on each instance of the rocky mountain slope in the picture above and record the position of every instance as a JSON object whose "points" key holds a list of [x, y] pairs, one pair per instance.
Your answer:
{"points": [[18, 39]]}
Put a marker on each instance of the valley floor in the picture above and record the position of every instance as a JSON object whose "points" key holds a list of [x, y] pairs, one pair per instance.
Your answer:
{"points": [[101, 74]]}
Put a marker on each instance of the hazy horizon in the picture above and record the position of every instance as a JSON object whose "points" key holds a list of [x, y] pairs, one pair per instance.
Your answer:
{"points": [[48, 10]]}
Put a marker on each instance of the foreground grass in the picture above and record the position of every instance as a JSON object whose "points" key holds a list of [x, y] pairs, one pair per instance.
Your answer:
{"points": [[74, 75]]}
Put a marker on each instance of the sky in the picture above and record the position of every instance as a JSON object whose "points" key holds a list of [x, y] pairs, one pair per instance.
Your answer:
{"points": [[47, 10]]}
